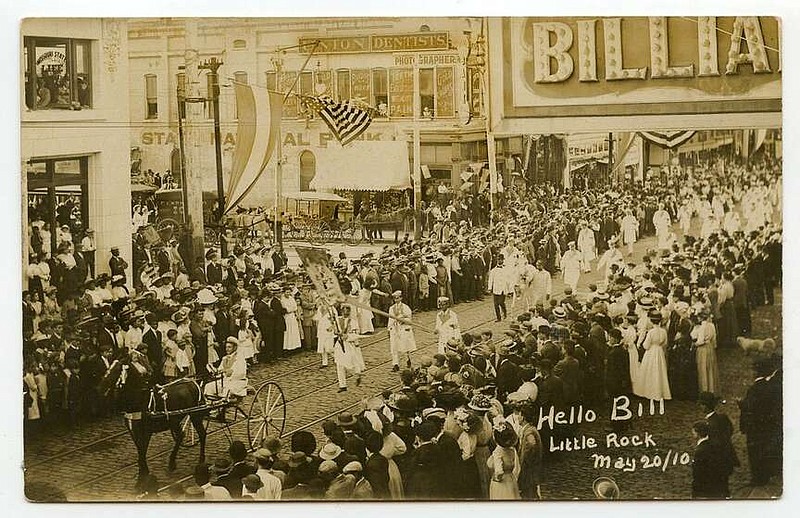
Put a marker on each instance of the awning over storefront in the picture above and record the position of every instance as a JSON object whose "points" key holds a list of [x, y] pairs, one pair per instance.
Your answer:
{"points": [[315, 196], [363, 166]]}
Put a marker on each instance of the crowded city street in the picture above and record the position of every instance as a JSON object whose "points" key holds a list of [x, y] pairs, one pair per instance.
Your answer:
{"points": [[337, 268]]}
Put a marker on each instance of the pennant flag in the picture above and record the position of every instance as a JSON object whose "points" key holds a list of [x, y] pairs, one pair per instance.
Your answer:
{"points": [[347, 120], [258, 130], [668, 139], [315, 261]]}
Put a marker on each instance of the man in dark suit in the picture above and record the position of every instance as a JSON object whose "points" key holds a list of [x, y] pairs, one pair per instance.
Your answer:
{"points": [[225, 326], [214, 269], [376, 469], [117, 264], [424, 479], [508, 376], [618, 373], [720, 428], [761, 420], [151, 338], [710, 467], [551, 394], [232, 480], [106, 337]]}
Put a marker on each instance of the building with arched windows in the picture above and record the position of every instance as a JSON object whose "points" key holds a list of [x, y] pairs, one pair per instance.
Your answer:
{"points": [[382, 61]]}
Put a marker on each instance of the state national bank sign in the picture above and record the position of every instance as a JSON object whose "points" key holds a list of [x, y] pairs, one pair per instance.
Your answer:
{"points": [[569, 67]]}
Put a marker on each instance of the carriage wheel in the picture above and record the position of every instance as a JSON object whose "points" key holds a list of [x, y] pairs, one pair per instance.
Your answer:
{"points": [[267, 416], [314, 233], [325, 232], [353, 233]]}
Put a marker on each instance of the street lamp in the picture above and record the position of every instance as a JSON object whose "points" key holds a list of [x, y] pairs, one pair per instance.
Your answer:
{"points": [[212, 65]]}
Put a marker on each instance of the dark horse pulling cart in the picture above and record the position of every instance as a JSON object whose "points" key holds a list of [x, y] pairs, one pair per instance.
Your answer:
{"points": [[181, 406]]}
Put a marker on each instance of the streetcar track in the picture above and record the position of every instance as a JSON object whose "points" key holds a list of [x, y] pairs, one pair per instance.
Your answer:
{"points": [[325, 417], [225, 429], [377, 337]]}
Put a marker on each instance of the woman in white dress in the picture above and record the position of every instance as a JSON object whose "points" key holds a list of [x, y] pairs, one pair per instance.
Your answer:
{"points": [[653, 381], [291, 338], [571, 266], [346, 350], [363, 313], [630, 230], [447, 326], [629, 336], [234, 373], [705, 338], [325, 334], [401, 335], [246, 336], [587, 246]]}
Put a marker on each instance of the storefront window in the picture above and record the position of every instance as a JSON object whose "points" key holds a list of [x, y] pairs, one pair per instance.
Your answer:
{"points": [[57, 198], [57, 73]]}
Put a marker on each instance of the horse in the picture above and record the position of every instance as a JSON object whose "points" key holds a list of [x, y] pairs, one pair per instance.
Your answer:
{"points": [[150, 408]]}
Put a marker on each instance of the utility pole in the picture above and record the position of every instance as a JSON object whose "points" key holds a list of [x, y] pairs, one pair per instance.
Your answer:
{"points": [[417, 176], [212, 65], [193, 134], [609, 179]]}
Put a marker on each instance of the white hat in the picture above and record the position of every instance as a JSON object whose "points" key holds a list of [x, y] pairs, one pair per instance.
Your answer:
{"points": [[205, 296], [528, 391]]}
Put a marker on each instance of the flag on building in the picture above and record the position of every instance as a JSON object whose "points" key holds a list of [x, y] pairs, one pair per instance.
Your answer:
{"points": [[346, 120], [259, 111]]}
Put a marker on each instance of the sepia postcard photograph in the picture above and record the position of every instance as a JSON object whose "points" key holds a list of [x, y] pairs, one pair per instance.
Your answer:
{"points": [[399, 258]]}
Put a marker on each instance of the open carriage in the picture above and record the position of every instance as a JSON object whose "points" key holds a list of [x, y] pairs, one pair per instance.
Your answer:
{"points": [[187, 410], [262, 411]]}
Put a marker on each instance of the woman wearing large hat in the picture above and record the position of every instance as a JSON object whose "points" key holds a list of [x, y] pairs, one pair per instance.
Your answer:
{"points": [[233, 369], [653, 380], [504, 464]]}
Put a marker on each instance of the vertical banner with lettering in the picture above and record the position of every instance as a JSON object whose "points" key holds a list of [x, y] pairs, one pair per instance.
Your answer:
{"points": [[401, 92], [445, 95]]}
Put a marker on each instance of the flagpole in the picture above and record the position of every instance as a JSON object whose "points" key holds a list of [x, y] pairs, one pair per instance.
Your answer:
{"points": [[279, 165]]}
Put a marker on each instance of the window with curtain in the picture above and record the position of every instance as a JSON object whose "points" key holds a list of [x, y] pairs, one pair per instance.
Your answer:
{"points": [[343, 84], [427, 97], [380, 91], [151, 96]]}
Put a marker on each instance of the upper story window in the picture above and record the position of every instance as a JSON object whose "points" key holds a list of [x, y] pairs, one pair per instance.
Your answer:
{"points": [[151, 96], [57, 73]]}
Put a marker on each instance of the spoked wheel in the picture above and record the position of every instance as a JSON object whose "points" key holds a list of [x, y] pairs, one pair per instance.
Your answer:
{"points": [[267, 416], [314, 233], [353, 234]]}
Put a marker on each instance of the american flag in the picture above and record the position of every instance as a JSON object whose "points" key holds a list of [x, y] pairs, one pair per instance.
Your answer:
{"points": [[347, 120]]}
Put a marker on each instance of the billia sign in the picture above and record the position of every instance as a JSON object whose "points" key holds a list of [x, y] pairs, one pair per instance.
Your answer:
{"points": [[553, 41], [567, 67]]}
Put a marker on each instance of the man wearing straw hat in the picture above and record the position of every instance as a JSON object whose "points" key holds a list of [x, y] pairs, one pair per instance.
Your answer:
{"points": [[401, 335]]}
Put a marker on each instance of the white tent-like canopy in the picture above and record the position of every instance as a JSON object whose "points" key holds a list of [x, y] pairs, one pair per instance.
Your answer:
{"points": [[363, 166]]}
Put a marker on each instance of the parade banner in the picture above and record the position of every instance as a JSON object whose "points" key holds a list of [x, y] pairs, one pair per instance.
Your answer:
{"points": [[315, 261]]}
